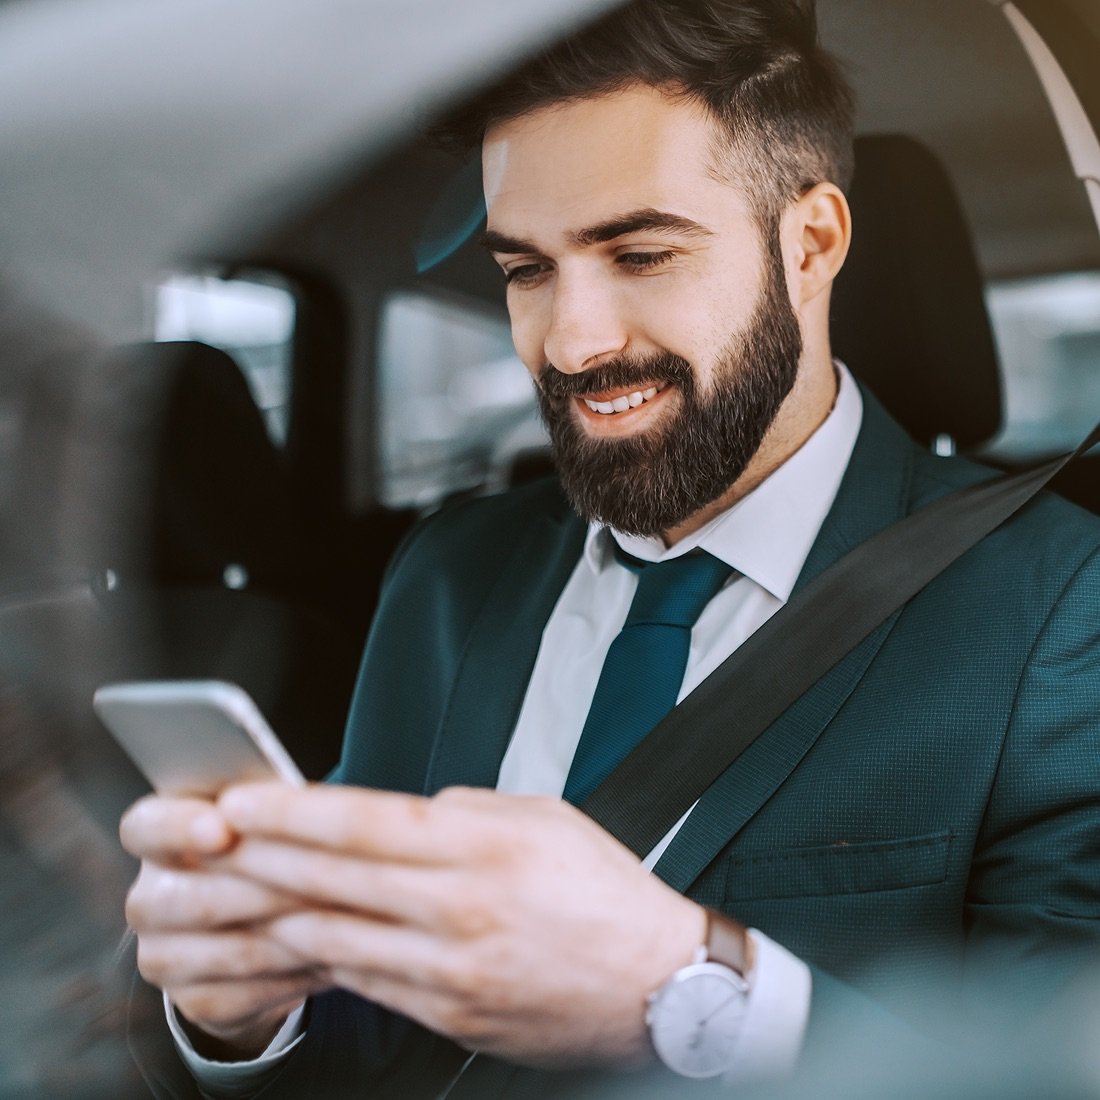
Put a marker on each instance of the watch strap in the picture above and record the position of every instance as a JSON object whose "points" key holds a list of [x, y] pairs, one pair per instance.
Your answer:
{"points": [[727, 942]]}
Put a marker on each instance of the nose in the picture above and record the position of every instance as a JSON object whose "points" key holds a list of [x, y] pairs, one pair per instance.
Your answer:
{"points": [[586, 325]]}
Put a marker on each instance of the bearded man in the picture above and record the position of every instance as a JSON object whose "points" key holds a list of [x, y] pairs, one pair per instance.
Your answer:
{"points": [[665, 198]]}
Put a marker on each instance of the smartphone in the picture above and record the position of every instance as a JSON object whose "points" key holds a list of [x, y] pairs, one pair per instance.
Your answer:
{"points": [[193, 737]]}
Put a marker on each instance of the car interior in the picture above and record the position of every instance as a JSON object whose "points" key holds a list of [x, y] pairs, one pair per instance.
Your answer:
{"points": [[215, 490]]}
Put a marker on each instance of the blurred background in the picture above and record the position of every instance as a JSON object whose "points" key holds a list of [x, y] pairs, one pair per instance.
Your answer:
{"points": [[245, 341]]}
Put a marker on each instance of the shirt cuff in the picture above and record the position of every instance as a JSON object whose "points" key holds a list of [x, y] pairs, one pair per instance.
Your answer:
{"points": [[778, 1009], [236, 1080]]}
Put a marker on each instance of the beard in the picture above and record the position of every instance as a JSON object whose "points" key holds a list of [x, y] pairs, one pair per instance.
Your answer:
{"points": [[653, 481]]}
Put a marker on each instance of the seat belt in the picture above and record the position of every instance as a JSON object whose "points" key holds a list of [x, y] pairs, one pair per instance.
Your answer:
{"points": [[670, 769]]}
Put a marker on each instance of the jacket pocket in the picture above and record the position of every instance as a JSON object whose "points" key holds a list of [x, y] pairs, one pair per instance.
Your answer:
{"points": [[842, 868]]}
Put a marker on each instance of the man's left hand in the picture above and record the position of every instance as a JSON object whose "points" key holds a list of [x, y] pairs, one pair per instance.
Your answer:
{"points": [[512, 924]]}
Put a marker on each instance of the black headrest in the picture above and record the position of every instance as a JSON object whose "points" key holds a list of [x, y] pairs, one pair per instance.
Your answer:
{"points": [[909, 313], [185, 480]]}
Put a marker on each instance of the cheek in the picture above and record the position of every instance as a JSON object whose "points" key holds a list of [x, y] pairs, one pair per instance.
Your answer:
{"points": [[674, 318], [698, 320]]}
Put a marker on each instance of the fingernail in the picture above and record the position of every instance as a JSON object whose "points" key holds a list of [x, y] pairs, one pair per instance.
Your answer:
{"points": [[237, 804], [209, 832]]}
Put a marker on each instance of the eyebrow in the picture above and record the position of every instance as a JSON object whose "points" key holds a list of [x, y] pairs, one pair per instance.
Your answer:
{"points": [[646, 220]]}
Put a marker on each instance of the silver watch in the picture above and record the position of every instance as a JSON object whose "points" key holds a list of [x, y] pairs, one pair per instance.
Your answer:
{"points": [[695, 1018]]}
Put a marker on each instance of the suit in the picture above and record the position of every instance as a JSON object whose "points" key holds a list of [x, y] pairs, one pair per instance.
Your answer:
{"points": [[931, 806]]}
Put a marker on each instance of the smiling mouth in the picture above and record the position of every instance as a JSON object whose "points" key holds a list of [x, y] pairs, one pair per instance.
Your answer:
{"points": [[612, 404]]}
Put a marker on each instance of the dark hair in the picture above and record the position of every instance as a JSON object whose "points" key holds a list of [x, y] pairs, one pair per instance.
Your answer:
{"points": [[783, 101]]}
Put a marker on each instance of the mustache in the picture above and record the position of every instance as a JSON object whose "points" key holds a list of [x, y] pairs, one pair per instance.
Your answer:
{"points": [[624, 373]]}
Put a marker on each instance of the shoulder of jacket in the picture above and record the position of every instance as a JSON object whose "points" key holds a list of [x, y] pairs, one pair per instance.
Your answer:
{"points": [[476, 525]]}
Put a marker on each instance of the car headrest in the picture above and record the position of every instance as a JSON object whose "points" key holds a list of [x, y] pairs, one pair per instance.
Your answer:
{"points": [[181, 476], [909, 314]]}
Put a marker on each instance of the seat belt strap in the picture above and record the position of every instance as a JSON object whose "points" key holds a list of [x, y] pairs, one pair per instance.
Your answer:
{"points": [[670, 769]]}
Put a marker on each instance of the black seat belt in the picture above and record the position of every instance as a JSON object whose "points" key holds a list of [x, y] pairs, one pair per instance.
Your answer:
{"points": [[655, 785]]}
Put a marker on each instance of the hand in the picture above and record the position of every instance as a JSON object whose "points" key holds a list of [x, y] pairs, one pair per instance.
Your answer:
{"points": [[202, 933], [513, 925]]}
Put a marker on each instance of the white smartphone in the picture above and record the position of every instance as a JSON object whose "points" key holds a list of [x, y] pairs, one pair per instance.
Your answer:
{"points": [[193, 737]]}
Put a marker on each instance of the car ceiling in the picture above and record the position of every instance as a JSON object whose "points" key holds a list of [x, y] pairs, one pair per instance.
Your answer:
{"points": [[952, 73], [130, 130], [97, 190]]}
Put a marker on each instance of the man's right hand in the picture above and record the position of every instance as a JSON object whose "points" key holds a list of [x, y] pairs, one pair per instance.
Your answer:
{"points": [[202, 932]]}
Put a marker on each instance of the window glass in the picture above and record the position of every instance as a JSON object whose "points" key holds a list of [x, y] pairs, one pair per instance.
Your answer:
{"points": [[1048, 338], [252, 319], [456, 404]]}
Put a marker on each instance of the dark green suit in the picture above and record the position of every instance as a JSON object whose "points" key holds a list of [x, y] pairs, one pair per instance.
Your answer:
{"points": [[932, 804]]}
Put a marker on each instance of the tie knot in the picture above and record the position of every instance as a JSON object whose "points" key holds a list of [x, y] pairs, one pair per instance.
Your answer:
{"points": [[674, 592]]}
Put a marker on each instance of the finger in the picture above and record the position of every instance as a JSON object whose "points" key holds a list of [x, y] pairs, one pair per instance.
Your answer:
{"points": [[373, 950], [411, 894], [166, 899], [403, 970], [376, 824], [178, 960], [173, 830], [219, 1006]]}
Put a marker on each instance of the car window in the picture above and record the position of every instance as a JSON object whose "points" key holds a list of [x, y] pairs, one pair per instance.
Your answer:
{"points": [[250, 318], [1047, 331], [456, 404]]}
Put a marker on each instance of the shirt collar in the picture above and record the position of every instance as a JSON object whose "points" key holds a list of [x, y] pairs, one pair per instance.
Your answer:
{"points": [[766, 536]]}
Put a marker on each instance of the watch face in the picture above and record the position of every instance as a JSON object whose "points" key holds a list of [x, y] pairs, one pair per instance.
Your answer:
{"points": [[695, 1019]]}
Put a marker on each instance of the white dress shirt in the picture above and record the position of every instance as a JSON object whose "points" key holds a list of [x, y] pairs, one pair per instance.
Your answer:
{"points": [[766, 538]]}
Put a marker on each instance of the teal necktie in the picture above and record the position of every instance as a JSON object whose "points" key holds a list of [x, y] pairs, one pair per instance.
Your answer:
{"points": [[645, 664]]}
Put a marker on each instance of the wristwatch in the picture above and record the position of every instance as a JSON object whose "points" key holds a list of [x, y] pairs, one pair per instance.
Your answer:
{"points": [[695, 1018]]}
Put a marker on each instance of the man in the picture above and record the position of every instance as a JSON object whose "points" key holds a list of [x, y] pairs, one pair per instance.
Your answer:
{"points": [[665, 199]]}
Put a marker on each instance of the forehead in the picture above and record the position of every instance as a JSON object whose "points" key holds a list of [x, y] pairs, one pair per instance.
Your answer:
{"points": [[563, 167]]}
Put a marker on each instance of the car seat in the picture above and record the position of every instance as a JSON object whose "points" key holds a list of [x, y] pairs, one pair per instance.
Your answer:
{"points": [[173, 551], [908, 311], [909, 314]]}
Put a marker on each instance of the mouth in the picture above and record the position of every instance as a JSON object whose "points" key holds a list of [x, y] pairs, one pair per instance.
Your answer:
{"points": [[618, 402]]}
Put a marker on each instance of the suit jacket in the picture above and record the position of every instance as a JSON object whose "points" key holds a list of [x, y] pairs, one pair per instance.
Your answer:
{"points": [[927, 816]]}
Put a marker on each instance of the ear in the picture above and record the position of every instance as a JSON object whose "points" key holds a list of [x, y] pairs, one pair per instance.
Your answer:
{"points": [[818, 232]]}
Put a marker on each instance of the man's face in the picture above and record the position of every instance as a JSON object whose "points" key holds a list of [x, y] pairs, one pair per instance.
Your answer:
{"points": [[653, 317]]}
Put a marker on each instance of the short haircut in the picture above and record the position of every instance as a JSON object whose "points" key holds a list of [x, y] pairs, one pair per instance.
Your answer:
{"points": [[783, 102]]}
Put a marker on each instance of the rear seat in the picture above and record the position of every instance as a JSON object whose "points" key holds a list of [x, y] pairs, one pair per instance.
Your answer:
{"points": [[194, 544]]}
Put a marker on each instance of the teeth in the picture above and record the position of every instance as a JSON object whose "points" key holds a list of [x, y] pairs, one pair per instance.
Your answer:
{"points": [[621, 404]]}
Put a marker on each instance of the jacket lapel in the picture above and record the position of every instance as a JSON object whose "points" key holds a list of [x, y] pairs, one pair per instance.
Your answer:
{"points": [[874, 493], [500, 653]]}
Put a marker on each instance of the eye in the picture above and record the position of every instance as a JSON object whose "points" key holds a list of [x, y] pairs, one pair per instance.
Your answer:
{"points": [[525, 275], [643, 261]]}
